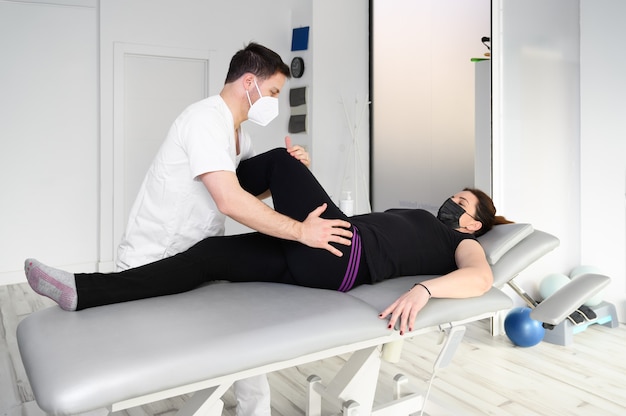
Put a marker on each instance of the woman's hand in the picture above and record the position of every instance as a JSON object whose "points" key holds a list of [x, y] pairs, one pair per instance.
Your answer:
{"points": [[406, 308], [298, 152]]}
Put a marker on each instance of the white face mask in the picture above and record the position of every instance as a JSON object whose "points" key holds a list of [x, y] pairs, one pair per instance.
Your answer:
{"points": [[264, 110]]}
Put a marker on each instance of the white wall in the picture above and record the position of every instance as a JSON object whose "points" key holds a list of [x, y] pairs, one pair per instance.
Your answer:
{"points": [[423, 98], [49, 134], [337, 79], [340, 88], [603, 143], [536, 147], [559, 148]]}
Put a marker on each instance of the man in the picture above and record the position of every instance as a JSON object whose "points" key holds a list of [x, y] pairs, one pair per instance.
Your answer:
{"points": [[192, 185]]}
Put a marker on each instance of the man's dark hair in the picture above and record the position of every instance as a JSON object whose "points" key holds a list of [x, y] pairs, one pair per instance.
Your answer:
{"points": [[258, 60]]}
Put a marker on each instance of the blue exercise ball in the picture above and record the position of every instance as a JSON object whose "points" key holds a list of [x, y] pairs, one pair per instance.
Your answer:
{"points": [[521, 329]]}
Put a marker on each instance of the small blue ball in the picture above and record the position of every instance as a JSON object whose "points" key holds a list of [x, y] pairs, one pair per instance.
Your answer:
{"points": [[521, 329]]}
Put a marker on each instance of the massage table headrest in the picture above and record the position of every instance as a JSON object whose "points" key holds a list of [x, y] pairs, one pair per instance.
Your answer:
{"points": [[510, 248], [501, 238]]}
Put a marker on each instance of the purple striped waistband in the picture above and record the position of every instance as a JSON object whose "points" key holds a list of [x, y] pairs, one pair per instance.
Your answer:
{"points": [[353, 263]]}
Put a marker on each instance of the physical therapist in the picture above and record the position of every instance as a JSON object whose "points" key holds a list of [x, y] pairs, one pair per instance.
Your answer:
{"points": [[192, 186]]}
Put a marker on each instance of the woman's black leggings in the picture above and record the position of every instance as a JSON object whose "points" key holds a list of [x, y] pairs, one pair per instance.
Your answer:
{"points": [[252, 257]]}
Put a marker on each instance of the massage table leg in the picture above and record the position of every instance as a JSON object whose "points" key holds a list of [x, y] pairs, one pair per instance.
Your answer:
{"points": [[206, 402], [313, 398], [356, 381], [400, 405], [353, 388], [496, 323], [350, 408], [407, 405], [392, 351]]}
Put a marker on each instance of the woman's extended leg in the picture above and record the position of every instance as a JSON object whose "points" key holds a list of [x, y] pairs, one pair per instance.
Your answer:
{"points": [[237, 258], [248, 257]]}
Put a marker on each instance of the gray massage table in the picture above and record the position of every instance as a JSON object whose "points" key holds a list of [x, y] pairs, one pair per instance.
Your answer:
{"points": [[105, 359]]}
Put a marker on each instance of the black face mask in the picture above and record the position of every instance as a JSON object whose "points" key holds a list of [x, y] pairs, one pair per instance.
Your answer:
{"points": [[450, 213]]}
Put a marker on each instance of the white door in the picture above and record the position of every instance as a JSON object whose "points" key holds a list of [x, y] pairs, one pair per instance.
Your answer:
{"points": [[152, 86]]}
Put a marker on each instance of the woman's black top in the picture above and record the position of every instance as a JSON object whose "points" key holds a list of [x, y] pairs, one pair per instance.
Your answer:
{"points": [[407, 242]]}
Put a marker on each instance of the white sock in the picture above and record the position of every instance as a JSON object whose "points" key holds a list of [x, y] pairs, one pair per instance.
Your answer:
{"points": [[58, 285]]}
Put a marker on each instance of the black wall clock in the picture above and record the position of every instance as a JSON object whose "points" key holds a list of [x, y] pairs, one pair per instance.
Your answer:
{"points": [[297, 67]]}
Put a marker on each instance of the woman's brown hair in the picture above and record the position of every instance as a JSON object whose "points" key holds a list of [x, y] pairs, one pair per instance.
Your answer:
{"points": [[486, 212]]}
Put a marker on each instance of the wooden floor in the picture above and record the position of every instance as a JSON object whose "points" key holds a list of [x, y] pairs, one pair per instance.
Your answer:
{"points": [[488, 375]]}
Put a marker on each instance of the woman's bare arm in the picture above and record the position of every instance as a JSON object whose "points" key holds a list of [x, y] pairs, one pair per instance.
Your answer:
{"points": [[472, 278]]}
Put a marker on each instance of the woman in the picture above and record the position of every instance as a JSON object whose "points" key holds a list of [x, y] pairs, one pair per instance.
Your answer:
{"points": [[384, 245]]}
